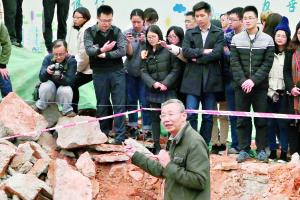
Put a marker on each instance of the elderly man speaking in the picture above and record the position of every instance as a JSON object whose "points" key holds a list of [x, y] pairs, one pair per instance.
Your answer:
{"points": [[186, 166]]}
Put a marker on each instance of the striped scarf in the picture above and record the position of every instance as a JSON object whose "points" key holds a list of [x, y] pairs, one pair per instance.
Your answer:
{"points": [[296, 77]]}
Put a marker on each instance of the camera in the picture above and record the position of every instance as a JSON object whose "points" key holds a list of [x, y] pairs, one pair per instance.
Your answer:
{"points": [[57, 68], [136, 35]]}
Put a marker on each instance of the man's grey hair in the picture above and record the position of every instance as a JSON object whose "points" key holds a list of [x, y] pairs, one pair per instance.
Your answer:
{"points": [[176, 101]]}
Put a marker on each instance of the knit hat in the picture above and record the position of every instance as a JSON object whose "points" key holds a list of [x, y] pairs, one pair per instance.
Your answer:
{"points": [[283, 25]]}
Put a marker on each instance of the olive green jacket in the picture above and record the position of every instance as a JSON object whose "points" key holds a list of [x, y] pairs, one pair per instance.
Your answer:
{"points": [[5, 46], [188, 174]]}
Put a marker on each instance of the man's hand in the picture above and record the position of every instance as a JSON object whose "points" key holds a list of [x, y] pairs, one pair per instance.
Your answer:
{"points": [[247, 86], [163, 87], [108, 46], [156, 85], [142, 37], [129, 150], [102, 55], [50, 70], [144, 54], [207, 51], [295, 91], [4, 73], [163, 158], [129, 37]]}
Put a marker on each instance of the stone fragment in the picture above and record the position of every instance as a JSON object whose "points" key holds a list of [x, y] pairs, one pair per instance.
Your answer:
{"points": [[69, 183], [19, 118], [80, 135], [26, 186], [86, 165], [7, 151], [111, 157]]}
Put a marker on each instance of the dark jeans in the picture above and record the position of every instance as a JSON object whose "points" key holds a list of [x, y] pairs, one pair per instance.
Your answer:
{"points": [[294, 137], [5, 86], [111, 84], [280, 125], [80, 80], [13, 17], [136, 91], [208, 102], [258, 100], [62, 15], [230, 99], [155, 122]]}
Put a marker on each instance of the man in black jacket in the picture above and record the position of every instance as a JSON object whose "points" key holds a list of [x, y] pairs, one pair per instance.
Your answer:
{"points": [[252, 54], [203, 47], [106, 45]]}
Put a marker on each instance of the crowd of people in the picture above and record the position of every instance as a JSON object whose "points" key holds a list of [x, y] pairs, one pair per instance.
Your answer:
{"points": [[233, 63]]}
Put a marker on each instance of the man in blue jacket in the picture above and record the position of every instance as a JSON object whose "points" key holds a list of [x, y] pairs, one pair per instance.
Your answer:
{"points": [[57, 75]]}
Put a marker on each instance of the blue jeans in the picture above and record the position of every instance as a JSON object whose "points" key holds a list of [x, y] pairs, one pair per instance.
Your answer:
{"points": [[111, 84], [5, 86], [208, 102], [229, 93], [278, 125], [136, 91]]}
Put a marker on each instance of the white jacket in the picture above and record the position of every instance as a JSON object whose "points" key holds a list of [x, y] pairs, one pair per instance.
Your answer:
{"points": [[78, 49]]}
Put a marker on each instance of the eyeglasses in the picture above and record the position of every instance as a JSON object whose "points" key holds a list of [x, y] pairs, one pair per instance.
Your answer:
{"points": [[105, 20], [169, 115], [59, 54]]}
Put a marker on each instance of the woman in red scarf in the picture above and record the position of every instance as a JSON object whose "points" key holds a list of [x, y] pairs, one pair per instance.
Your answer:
{"points": [[292, 82]]}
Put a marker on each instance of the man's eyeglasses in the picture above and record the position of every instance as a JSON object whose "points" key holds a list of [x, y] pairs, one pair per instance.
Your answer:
{"points": [[59, 54], [169, 115]]}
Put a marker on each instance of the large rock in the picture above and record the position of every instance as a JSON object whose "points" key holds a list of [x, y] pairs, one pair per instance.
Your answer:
{"points": [[69, 183], [86, 165], [107, 148], [52, 114], [81, 135], [26, 186], [19, 118], [47, 142], [110, 158], [41, 166], [23, 154], [39, 152], [7, 151]]}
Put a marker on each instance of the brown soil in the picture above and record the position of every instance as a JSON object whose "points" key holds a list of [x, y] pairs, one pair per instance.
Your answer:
{"points": [[251, 181]]}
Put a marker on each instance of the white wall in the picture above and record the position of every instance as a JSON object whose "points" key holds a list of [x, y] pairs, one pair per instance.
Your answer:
{"points": [[171, 12]]}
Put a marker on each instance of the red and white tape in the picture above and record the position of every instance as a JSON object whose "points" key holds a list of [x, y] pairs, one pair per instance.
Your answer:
{"points": [[237, 113], [209, 112], [19, 135]]}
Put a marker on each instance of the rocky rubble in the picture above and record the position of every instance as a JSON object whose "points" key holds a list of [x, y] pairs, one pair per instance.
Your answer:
{"points": [[74, 163]]}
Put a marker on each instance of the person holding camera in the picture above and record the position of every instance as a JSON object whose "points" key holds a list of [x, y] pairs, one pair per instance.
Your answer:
{"points": [[135, 87], [57, 75]]}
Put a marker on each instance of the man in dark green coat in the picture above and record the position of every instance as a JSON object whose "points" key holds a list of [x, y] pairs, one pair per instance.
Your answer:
{"points": [[186, 166]]}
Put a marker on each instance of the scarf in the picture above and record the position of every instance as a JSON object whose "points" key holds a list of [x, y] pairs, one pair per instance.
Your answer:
{"points": [[296, 77]]}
